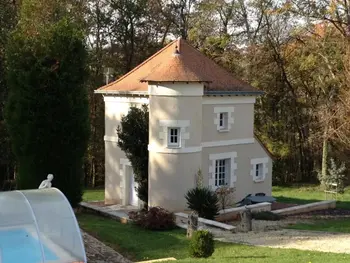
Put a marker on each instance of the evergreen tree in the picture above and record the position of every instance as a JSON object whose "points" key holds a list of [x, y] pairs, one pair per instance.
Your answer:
{"points": [[336, 175], [133, 140], [8, 19], [47, 108]]}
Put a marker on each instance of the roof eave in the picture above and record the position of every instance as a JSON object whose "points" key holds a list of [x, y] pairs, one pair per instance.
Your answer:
{"points": [[269, 153], [180, 81], [117, 92], [235, 93]]}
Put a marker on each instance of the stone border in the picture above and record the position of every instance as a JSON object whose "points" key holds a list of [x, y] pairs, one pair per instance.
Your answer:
{"points": [[105, 211], [157, 260], [322, 205], [209, 223], [228, 214]]}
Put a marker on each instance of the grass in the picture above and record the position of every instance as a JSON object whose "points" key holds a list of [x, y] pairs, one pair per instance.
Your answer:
{"points": [[138, 244], [93, 195], [307, 194], [335, 225], [291, 194]]}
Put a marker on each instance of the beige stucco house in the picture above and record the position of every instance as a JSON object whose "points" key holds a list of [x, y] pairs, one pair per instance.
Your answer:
{"points": [[201, 117]]}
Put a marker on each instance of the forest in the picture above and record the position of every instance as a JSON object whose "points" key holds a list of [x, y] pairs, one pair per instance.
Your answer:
{"points": [[296, 51]]}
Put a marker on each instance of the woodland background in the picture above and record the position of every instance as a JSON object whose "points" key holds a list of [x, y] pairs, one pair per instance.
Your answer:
{"points": [[297, 52]]}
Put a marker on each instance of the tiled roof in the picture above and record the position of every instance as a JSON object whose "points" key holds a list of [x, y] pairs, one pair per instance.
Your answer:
{"points": [[175, 69], [178, 62]]}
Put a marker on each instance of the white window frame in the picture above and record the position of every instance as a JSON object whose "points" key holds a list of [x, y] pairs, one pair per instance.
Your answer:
{"points": [[259, 171], [224, 118], [184, 135], [262, 163], [177, 136], [223, 121], [222, 167], [231, 167]]}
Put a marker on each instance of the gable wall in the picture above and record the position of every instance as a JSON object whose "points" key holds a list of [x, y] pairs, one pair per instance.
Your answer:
{"points": [[241, 118]]}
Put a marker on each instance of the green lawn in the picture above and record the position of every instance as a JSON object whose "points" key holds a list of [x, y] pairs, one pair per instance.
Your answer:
{"points": [[138, 244], [307, 194], [294, 194], [94, 195], [334, 225]]}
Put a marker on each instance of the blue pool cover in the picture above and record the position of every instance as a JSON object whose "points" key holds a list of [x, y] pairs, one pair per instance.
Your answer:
{"points": [[18, 246]]}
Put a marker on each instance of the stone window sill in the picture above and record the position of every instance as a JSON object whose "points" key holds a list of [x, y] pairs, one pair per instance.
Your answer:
{"points": [[223, 130], [259, 180], [173, 147]]}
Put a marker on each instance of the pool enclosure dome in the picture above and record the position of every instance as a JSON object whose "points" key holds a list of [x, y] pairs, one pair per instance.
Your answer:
{"points": [[39, 226]]}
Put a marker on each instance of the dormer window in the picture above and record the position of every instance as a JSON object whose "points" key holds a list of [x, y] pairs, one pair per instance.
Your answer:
{"points": [[223, 121], [174, 137]]}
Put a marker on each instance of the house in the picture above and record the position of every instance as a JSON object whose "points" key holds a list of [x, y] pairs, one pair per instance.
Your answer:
{"points": [[201, 117]]}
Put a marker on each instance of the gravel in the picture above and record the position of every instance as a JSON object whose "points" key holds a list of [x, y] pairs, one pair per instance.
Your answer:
{"points": [[97, 252], [287, 238]]}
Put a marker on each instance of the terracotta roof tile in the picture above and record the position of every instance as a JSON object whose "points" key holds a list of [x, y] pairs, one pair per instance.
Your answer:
{"points": [[189, 65], [175, 69]]}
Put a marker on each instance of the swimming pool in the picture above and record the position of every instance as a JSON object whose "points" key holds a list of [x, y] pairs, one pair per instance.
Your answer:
{"points": [[19, 246]]}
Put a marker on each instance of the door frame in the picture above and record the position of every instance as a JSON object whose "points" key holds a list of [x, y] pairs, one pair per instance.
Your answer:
{"points": [[132, 189]]}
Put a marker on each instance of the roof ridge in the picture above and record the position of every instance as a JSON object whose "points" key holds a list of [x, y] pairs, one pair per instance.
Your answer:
{"points": [[138, 66]]}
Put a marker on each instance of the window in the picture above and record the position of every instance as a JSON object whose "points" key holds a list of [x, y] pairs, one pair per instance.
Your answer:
{"points": [[223, 121], [174, 137], [221, 172], [259, 170]]}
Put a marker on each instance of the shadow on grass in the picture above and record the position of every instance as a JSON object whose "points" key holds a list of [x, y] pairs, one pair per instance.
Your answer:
{"points": [[238, 257], [134, 242]]}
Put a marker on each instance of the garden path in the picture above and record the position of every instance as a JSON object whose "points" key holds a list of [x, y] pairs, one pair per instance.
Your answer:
{"points": [[272, 234], [288, 238], [98, 252]]}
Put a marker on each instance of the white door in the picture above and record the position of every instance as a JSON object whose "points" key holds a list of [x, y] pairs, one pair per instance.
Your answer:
{"points": [[133, 194]]}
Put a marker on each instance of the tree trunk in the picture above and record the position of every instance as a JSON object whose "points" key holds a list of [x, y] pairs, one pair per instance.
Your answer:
{"points": [[93, 179], [324, 153]]}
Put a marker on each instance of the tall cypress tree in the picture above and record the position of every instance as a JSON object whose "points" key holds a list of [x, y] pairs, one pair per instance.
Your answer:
{"points": [[47, 109], [8, 19]]}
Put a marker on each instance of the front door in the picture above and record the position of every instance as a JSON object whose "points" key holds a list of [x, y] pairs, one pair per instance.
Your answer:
{"points": [[133, 194]]}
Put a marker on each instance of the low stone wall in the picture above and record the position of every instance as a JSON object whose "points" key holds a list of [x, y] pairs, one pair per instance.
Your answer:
{"points": [[322, 205], [232, 213], [210, 223]]}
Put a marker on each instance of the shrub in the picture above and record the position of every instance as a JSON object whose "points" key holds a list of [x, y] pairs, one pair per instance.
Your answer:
{"points": [[336, 175], [204, 201], [201, 244], [226, 196], [266, 215], [155, 218], [199, 179]]}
